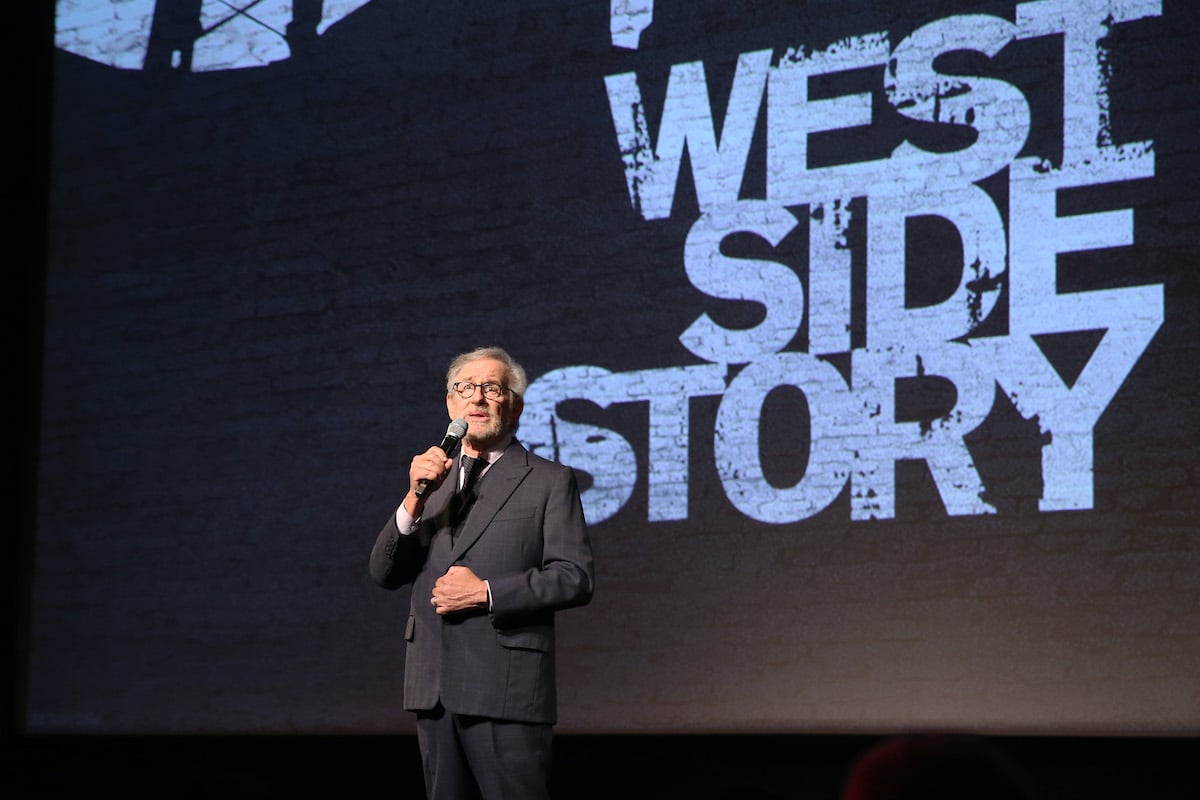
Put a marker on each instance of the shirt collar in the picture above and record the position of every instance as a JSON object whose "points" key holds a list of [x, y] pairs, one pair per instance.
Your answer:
{"points": [[490, 456]]}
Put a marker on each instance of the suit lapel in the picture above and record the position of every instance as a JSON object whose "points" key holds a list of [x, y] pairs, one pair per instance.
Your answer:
{"points": [[494, 488]]}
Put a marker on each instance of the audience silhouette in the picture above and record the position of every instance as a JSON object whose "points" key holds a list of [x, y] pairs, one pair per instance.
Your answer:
{"points": [[937, 767]]}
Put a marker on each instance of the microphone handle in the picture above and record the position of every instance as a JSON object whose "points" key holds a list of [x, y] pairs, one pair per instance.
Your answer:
{"points": [[449, 445]]}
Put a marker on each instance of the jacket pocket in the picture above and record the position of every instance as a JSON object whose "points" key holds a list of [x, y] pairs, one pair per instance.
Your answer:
{"points": [[410, 627], [518, 512], [525, 640]]}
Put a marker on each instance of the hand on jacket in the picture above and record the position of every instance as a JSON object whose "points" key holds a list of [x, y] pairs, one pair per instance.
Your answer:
{"points": [[459, 589]]}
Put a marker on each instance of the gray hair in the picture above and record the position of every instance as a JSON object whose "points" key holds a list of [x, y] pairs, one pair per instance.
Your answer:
{"points": [[517, 382]]}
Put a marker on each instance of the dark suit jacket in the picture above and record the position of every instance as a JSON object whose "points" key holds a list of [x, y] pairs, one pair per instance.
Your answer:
{"points": [[527, 537]]}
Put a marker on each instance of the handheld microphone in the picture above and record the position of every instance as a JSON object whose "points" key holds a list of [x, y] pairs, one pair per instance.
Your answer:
{"points": [[454, 433]]}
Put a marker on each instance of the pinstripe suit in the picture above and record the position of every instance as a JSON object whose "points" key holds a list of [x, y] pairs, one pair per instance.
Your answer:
{"points": [[525, 535]]}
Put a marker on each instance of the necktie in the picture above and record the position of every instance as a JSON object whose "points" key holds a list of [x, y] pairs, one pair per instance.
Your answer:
{"points": [[471, 467]]}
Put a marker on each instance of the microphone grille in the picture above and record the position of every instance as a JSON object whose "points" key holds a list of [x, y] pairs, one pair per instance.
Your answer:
{"points": [[457, 429]]}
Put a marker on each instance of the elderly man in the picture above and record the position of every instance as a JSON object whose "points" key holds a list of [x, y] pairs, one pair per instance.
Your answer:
{"points": [[493, 542]]}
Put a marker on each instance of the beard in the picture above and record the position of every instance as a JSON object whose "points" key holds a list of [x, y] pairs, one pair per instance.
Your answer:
{"points": [[481, 434]]}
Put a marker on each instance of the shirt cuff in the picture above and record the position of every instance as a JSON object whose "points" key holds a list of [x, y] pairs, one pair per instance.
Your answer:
{"points": [[405, 522]]}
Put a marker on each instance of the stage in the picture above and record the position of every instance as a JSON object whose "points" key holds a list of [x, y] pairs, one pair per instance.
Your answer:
{"points": [[702, 767]]}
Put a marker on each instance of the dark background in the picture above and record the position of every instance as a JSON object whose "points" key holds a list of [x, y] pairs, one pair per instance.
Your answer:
{"points": [[244, 275]]}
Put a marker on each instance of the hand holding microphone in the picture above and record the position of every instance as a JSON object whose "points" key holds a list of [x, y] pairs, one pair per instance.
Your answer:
{"points": [[454, 433]]}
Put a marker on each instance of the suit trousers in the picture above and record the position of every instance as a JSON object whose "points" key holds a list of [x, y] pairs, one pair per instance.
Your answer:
{"points": [[476, 758]]}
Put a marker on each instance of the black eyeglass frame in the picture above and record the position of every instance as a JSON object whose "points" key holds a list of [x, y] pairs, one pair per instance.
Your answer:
{"points": [[492, 391]]}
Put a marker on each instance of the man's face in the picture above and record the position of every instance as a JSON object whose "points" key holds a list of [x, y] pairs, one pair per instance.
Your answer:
{"points": [[488, 419]]}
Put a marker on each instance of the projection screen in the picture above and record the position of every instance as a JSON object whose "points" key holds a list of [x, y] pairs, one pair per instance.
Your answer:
{"points": [[870, 329]]}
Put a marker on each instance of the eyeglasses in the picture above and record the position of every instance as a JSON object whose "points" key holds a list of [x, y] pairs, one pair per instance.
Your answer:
{"points": [[492, 391]]}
